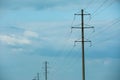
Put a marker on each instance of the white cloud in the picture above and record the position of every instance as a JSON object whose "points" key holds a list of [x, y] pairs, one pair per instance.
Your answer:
{"points": [[100, 61], [17, 49], [107, 62], [30, 34], [12, 40], [35, 4]]}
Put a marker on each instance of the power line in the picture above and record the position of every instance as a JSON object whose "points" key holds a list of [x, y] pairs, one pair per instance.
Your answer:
{"points": [[65, 58], [102, 9], [106, 6], [108, 27], [94, 13], [90, 3], [64, 50], [97, 9], [110, 36]]}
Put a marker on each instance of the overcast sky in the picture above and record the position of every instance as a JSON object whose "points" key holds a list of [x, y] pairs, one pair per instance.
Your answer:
{"points": [[35, 31]]}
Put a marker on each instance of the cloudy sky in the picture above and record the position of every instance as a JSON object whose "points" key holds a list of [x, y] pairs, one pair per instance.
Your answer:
{"points": [[35, 31]]}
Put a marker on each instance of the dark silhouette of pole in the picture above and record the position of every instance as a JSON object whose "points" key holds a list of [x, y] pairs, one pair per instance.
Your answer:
{"points": [[82, 41], [34, 78], [38, 76], [46, 70], [82, 32]]}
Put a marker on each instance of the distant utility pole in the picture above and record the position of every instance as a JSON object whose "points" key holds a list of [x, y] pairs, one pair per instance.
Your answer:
{"points": [[34, 78], [38, 76], [82, 41], [46, 70]]}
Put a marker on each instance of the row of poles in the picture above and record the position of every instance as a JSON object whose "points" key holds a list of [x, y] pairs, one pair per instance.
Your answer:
{"points": [[46, 71], [82, 44]]}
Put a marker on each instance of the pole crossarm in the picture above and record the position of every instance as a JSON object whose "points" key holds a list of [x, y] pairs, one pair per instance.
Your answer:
{"points": [[83, 27], [83, 41], [82, 14]]}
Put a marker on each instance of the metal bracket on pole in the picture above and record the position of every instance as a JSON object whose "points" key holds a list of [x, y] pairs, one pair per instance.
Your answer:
{"points": [[83, 41]]}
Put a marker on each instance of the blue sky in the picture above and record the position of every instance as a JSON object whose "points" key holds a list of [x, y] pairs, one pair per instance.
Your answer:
{"points": [[35, 31]]}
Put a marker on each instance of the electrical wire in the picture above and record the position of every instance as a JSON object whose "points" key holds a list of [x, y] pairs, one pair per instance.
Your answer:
{"points": [[67, 54], [113, 22], [110, 36], [63, 51], [98, 11], [89, 5], [104, 2]]}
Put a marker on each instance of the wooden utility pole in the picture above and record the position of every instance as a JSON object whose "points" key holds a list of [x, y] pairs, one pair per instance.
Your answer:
{"points": [[46, 70], [82, 41], [38, 76]]}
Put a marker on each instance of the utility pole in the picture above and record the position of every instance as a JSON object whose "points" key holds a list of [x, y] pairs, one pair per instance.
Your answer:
{"points": [[34, 78], [46, 70], [82, 41], [38, 76]]}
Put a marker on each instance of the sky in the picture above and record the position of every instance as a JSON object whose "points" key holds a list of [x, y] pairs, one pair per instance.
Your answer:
{"points": [[35, 31]]}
